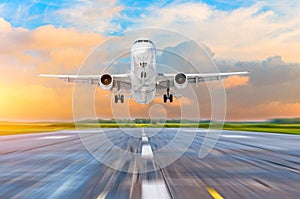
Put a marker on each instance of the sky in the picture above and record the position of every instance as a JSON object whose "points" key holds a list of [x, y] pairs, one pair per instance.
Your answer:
{"points": [[56, 37]]}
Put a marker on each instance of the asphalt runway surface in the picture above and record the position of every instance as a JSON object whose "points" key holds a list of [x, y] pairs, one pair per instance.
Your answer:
{"points": [[241, 165]]}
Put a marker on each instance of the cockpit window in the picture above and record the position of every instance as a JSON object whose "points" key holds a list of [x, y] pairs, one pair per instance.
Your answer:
{"points": [[142, 40]]}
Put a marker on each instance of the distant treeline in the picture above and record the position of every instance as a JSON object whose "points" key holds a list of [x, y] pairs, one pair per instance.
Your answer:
{"points": [[184, 121], [286, 121], [143, 121]]}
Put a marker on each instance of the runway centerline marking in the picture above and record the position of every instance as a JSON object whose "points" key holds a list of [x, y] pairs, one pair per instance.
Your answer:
{"points": [[145, 139], [154, 190], [143, 133], [147, 151], [52, 137], [214, 193]]}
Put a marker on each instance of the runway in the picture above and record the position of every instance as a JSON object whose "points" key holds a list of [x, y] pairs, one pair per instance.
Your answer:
{"points": [[241, 165]]}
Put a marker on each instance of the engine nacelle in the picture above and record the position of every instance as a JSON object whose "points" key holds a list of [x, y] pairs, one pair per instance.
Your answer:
{"points": [[106, 81], [180, 81]]}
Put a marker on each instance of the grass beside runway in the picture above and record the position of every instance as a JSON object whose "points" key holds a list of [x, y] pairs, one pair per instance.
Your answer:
{"points": [[12, 128], [264, 127]]}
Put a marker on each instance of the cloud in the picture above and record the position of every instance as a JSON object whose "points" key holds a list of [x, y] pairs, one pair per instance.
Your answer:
{"points": [[105, 107], [69, 57], [235, 81], [252, 31], [92, 16], [272, 81], [48, 36], [247, 33], [269, 92], [183, 13], [5, 26], [46, 49], [268, 110], [34, 102]]}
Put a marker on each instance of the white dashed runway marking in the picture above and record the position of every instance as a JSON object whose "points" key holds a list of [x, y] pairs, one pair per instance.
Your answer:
{"points": [[145, 139], [52, 137], [147, 151], [154, 190]]}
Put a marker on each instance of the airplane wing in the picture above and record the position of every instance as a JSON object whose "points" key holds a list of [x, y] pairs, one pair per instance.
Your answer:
{"points": [[120, 81], [167, 80]]}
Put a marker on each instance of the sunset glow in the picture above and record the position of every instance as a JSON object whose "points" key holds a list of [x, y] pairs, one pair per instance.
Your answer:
{"points": [[249, 37]]}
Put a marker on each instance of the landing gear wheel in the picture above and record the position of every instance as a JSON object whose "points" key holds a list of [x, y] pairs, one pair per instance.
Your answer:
{"points": [[165, 98], [168, 96], [171, 98], [119, 97]]}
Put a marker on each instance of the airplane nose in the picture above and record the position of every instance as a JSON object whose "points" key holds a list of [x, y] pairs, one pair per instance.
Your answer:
{"points": [[142, 51]]}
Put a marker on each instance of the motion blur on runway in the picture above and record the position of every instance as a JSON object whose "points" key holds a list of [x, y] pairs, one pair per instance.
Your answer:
{"points": [[241, 165]]}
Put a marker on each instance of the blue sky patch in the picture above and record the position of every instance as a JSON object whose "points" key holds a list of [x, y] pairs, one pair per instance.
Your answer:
{"points": [[34, 13]]}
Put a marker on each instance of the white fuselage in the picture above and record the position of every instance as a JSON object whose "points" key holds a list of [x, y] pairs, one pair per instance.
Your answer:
{"points": [[143, 71]]}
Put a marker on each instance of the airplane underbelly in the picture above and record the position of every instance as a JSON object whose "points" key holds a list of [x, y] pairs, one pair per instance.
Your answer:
{"points": [[144, 95]]}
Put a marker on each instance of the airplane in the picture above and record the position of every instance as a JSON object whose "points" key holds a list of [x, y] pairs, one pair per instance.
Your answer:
{"points": [[143, 80]]}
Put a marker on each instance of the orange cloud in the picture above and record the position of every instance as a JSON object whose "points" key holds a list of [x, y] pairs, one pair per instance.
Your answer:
{"points": [[49, 37], [105, 107], [263, 111], [235, 81], [68, 57], [43, 50], [4, 26], [35, 102], [47, 49]]}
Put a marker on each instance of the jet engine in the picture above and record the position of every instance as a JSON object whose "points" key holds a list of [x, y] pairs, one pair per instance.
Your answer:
{"points": [[180, 81], [106, 81]]}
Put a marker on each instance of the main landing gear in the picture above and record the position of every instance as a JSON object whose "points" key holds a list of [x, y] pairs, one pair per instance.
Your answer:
{"points": [[119, 97], [168, 96]]}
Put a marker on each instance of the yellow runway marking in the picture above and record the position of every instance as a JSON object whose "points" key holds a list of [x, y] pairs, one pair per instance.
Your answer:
{"points": [[214, 193]]}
